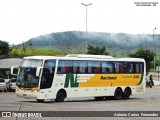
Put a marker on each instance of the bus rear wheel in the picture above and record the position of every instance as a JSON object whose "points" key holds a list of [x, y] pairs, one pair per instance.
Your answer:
{"points": [[61, 95], [126, 93], [118, 94]]}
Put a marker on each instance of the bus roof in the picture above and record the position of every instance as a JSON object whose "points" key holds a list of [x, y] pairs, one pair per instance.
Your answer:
{"points": [[84, 57]]}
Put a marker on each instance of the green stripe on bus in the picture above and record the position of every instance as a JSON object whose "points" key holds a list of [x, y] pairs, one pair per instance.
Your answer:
{"points": [[70, 79]]}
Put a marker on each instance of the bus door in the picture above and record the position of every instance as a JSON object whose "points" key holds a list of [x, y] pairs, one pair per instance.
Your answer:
{"points": [[48, 74]]}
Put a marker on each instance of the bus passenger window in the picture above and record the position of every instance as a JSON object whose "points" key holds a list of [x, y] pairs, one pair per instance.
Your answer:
{"points": [[107, 70], [83, 66], [117, 67], [141, 68], [111, 67], [98, 67], [76, 66], [137, 68], [94, 67], [64, 67], [90, 68], [121, 68], [78, 69], [104, 67], [60, 69], [129, 68], [68, 67]]}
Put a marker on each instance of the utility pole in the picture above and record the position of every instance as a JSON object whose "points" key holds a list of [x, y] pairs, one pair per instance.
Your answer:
{"points": [[86, 5], [154, 51]]}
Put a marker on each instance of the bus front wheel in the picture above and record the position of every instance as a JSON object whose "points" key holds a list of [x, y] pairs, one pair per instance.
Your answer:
{"points": [[61, 95], [118, 94]]}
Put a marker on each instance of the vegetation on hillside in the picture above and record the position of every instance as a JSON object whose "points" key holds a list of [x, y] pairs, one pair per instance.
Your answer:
{"points": [[62, 43], [74, 41], [19, 52]]}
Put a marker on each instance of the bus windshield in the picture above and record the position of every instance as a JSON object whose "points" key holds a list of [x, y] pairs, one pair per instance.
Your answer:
{"points": [[27, 73]]}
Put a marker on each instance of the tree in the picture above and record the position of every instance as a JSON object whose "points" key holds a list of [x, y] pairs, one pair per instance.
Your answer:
{"points": [[4, 48], [23, 48], [146, 54], [97, 50]]}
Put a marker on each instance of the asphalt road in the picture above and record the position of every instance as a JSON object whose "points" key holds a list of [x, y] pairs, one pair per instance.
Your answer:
{"points": [[150, 101]]}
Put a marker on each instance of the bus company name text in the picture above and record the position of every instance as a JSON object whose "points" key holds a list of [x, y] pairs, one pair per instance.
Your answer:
{"points": [[108, 78]]}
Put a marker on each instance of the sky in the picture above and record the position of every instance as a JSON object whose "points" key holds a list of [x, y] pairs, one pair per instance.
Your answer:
{"points": [[21, 20]]}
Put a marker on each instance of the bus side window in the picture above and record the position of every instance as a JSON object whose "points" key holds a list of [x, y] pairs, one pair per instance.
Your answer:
{"points": [[111, 67], [121, 68], [116, 67], [60, 69], [68, 67], [137, 68], [83, 67], [94, 67], [98, 67], [76, 67], [104, 67], [90, 67], [134, 67], [141, 67], [130, 68]]}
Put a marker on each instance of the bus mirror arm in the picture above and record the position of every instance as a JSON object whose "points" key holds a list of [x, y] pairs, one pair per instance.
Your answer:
{"points": [[38, 71]]}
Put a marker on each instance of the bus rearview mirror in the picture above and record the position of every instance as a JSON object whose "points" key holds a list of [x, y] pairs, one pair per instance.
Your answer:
{"points": [[38, 71], [12, 69]]}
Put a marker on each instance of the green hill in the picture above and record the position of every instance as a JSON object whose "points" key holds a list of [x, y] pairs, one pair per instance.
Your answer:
{"points": [[116, 43]]}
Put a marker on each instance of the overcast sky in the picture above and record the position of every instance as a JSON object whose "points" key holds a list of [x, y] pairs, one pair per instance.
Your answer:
{"points": [[21, 20]]}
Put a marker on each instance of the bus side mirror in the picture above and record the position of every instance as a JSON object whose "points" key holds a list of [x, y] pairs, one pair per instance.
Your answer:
{"points": [[12, 69], [38, 71]]}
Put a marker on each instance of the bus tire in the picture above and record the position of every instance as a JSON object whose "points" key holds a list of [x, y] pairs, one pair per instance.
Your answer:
{"points": [[40, 100], [118, 94], [126, 93], [61, 95]]}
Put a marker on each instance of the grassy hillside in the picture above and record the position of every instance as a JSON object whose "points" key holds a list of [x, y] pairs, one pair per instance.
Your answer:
{"points": [[33, 51], [117, 44], [110, 40]]}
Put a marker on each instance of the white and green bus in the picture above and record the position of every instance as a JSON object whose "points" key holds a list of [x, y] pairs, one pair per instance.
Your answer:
{"points": [[46, 77]]}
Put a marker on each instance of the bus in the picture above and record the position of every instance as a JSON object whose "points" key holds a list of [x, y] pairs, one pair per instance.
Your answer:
{"points": [[77, 75]]}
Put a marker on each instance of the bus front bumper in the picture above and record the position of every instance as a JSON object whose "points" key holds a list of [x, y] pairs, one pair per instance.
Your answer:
{"points": [[27, 94]]}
